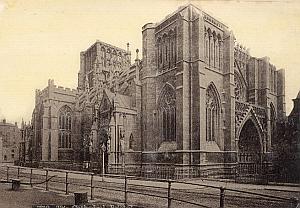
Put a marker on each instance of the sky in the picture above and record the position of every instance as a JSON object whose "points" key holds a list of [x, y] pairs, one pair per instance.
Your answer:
{"points": [[42, 39]]}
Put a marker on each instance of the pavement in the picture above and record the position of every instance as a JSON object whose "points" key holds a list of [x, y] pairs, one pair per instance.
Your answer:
{"points": [[232, 185], [207, 189]]}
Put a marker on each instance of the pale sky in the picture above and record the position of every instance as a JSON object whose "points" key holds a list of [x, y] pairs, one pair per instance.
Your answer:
{"points": [[42, 39]]}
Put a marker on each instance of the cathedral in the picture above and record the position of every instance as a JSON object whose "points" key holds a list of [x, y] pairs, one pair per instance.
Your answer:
{"points": [[195, 103]]}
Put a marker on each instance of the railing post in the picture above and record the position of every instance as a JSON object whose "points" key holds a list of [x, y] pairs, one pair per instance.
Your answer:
{"points": [[30, 177], [92, 175], [169, 194], [67, 191], [18, 172], [7, 173], [47, 188], [222, 196], [125, 190]]}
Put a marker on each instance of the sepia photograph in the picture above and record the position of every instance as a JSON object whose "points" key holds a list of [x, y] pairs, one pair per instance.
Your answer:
{"points": [[150, 103]]}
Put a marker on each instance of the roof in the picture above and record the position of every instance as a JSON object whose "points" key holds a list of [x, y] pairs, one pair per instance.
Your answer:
{"points": [[4, 123], [167, 146], [119, 100], [298, 96]]}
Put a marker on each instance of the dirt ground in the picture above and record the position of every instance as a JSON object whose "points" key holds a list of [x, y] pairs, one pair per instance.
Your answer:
{"points": [[27, 197]]}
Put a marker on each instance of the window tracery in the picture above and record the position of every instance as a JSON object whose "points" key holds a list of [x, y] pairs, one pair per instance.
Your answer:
{"points": [[212, 48], [239, 89], [167, 113], [65, 125], [166, 50], [212, 114]]}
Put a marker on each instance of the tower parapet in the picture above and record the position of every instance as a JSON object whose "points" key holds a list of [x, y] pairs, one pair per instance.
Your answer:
{"points": [[100, 65]]}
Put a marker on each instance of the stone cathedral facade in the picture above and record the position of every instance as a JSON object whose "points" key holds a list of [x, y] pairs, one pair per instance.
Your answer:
{"points": [[195, 104]]}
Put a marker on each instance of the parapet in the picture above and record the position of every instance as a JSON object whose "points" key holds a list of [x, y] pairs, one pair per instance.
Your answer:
{"points": [[65, 90]]}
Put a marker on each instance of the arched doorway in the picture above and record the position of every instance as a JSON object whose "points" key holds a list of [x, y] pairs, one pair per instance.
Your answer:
{"points": [[250, 152], [249, 144]]}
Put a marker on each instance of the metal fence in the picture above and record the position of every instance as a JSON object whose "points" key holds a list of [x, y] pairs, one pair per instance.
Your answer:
{"points": [[167, 189]]}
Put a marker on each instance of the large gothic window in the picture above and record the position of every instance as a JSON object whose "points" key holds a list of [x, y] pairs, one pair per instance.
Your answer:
{"points": [[212, 114], [167, 113], [64, 135], [166, 50]]}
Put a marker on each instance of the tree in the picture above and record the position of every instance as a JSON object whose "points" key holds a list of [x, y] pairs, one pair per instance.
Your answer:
{"points": [[285, 149]]}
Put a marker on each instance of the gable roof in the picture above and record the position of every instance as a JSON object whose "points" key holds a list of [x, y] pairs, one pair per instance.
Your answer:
{"points": [[118, 99]]}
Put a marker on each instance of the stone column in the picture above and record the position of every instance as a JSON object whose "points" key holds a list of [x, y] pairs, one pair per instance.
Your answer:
{"points": [[186, 91], [45, 134], [229, 96], [202, 88]]}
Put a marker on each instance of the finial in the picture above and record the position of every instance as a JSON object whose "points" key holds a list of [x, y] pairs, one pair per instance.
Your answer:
{"points": [[127, 47], [137, 54]]}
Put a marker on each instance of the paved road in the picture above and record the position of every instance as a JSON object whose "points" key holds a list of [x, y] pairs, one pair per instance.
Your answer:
{"points": [[111, 189]]}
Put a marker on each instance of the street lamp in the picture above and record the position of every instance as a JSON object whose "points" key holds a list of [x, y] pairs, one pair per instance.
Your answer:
{"points": [[123, 144], [103, 159]]}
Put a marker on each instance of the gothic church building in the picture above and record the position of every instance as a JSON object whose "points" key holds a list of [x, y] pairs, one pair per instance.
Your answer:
{"points": [[195, 104]]}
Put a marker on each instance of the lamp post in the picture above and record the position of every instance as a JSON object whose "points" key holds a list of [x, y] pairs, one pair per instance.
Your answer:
{"points": [[123, 144], [103, 159], [86, 150]]}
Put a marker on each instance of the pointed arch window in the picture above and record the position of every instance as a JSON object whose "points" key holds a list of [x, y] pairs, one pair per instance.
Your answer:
{"points": [[167, 111], [131, 141], [206, 45], [65, 127], [217, 52], [272, 121], [212, 114]]}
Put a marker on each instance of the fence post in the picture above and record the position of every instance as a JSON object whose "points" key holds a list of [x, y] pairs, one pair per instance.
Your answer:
{"points": [[92, 175], [18, 172], [47, 188], [7, 173], [222, 196], [125, 190], [169, 194], [30, 177], [67, 191]]}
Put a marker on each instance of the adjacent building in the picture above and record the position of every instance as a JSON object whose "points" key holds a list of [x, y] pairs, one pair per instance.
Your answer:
{"points": [[25, 145], [195, 104], [10, 137]]}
